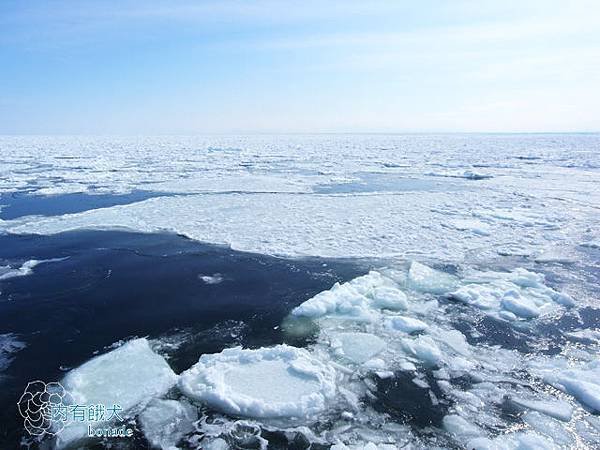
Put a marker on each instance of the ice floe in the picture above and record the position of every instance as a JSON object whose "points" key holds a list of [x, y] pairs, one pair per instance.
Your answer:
{"points": [[280, 381], [425, 279], [558, 409], [583, 384], [129, 376]]}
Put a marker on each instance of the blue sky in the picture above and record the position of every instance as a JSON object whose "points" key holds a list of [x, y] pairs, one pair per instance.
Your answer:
{"points": [[162, 67]]}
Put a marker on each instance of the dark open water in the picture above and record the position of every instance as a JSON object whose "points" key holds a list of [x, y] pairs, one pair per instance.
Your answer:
{"points": [[116, 285]]}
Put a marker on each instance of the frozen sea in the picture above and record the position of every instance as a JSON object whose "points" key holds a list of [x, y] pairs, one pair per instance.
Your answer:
{"points": [[306, 291]]}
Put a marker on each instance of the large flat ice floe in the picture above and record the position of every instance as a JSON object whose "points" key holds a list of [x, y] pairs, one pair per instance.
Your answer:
{"points": [[274, 382], [129, 376]]}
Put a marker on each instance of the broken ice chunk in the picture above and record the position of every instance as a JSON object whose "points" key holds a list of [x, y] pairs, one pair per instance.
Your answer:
{"points": [[558, 409], [514, 302], [389, 298], [358, 347], [459, 427], [129, 376], [406, 324], [423, 348], [425, 279]]}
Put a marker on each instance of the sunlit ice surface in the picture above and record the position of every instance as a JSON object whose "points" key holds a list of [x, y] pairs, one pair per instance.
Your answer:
{"points": [[469, 316]]}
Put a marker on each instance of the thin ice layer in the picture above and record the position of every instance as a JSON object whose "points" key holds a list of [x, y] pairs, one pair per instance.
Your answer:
{"points": [[166, 422], [9, 345], [129, 376], [7, 272], [280, 381]]}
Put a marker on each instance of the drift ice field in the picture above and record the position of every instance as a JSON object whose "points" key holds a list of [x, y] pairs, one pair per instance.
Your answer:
{"points": [[416, 291]]}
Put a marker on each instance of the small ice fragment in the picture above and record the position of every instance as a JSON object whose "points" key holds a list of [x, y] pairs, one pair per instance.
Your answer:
{"points": [[558, 409], [407, 366], [389, 298], [384, 374], [549, 427], [406, 324], [347, 415], [280, 381], [375, 364], [165, 422], [562, 298], [514, 302], [474, 226], [459, 427], [360, 347], [211, 279], [455, 340], [425, 279], [421, 383], [424, 348]]}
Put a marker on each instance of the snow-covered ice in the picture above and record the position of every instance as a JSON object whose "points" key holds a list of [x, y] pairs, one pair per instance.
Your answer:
{"points": [[280, 381]]}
